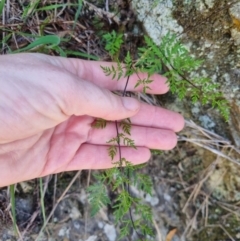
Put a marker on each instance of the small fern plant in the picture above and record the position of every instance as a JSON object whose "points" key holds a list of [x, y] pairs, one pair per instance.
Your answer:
{"points": [[130, 212], [179, 64], [113, 42]]}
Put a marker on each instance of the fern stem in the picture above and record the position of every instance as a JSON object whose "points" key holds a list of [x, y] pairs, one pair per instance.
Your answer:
{"points": [[126, 186], [182, 76], [116, 124]]}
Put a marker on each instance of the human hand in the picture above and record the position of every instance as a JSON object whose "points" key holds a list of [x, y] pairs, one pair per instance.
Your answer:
{"points": [[47, 107]]}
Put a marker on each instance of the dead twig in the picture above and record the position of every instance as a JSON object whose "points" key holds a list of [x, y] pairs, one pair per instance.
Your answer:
{"points": [[101, 13]]}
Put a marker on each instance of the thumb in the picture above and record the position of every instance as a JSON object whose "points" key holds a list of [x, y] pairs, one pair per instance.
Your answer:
{"points": [[92, 100]]}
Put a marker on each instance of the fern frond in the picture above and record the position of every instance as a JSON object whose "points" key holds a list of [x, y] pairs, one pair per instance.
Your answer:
{"points": [[99, 123], [123, 204], [129, 142], [112, 151], [115, 72], [125, 228], [144, 183], [128, 64], [119, 70], [113, 140], [126, 126], [98, 197], [106, 70], [113, 42]]}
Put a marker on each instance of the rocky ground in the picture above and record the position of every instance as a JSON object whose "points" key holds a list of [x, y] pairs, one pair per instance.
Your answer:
{"points": [[196, 186]]}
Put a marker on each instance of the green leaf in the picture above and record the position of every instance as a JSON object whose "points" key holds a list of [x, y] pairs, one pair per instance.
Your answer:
{"points": [[80, 54], [77, 14], [44, 40], [55, 6], [42, 201], [30, 9], [13, 207], [2, 3]]}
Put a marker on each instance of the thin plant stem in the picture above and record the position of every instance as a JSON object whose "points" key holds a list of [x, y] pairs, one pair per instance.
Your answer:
{"points": [[13, 207], [126, 186], [42, 200]]}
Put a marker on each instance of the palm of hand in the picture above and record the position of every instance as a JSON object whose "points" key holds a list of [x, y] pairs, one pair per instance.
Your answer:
{"points": [[49, 151], [48, 105]]}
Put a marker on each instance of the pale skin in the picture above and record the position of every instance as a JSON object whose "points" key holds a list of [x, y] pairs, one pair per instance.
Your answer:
{"points": [[48, 105]]}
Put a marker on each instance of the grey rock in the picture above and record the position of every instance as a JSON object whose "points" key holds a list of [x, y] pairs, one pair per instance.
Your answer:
{"points": [[210, 29], [110, 232], [92, 238]]}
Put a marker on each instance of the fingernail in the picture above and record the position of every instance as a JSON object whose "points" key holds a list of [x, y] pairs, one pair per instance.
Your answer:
{"points": [[130, 103]]}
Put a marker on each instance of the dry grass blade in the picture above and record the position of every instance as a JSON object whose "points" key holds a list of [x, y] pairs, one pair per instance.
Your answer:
{"points": [[201, 136], [208, 172], [34, 216], [220, 226], [87, 207], [209, 140], [158, 230], [192, 224]]}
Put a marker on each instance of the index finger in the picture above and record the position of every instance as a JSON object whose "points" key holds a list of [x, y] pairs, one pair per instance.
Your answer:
{"points": [[92, 71]]}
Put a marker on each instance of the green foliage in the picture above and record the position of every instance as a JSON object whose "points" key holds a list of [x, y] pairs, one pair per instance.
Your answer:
{"points": [[123, 204], [2, 3], [99, 123], [13, 208], [78, 12], [174, 57], [127, 69], [112, 151], [122, 138], [42, 200], [80, 54], [98, 196], [113, 42], [144, 82], [30, 8], [128, 65], [156, 152], [55, 6], [53, 40], [126, 126], [114, 71], [125, 228], [143, 183], [179, 63], [125, 201]]}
